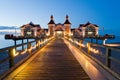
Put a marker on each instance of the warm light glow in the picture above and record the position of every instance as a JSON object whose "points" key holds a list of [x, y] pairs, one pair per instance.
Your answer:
{"points": [[92, 71], [59, 32], [76, 42], [45, 40], [47, 34], [23, 52], [94, 50], [87, 45], [71, 40], [71, 34], [89, 33], [14, 52], [33, 47], [28, 33], [82, 45]]}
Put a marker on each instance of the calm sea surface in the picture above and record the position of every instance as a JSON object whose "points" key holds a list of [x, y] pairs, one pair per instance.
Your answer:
{"points": [[5, 43]]}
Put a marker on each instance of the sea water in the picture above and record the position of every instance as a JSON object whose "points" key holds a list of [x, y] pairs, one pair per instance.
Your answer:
{"points": [[5, 43]]}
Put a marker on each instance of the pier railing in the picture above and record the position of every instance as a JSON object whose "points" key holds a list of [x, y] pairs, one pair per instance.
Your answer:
{"points": [[13, 56], [107, 57]]}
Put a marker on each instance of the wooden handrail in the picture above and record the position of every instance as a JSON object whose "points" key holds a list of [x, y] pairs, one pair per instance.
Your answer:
{"points": [[8, 48], [107, 54], [12, 52]]}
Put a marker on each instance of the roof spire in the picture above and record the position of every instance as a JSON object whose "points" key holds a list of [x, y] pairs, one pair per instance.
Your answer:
{"points": [[67, 21], [51, 21], [67, 17], [51, 17]]}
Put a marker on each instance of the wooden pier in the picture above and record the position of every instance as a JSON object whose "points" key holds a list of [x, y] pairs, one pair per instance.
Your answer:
{"points": [[53, 59], [54, 62]]}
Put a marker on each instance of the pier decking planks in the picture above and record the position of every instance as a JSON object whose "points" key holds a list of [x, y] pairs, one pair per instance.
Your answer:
{"points": [[55, 62]]}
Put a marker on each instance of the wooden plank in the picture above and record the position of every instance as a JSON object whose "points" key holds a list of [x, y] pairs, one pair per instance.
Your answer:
{"points": [[54, 62]]}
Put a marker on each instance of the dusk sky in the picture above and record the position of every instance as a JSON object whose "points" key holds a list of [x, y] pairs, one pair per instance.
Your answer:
{"points": [[104, 13]]}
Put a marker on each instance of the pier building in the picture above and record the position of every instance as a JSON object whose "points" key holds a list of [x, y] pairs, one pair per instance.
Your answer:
{"points": [[60, 29], [30, 29]]}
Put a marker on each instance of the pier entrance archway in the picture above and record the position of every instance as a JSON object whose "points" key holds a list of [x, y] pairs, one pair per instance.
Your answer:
{"points": [[59, 34]]}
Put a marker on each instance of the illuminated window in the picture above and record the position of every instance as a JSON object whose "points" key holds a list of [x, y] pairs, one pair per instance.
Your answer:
{"points": [[90, 33], [29, 33], [59, 32]]}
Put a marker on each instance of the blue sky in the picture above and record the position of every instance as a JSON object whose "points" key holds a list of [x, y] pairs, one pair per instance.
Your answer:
{"points": [[104, 13]]}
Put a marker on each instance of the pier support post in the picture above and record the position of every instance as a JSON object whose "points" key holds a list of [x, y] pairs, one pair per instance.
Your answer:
{"points": [[108, 54], [12, 51]]}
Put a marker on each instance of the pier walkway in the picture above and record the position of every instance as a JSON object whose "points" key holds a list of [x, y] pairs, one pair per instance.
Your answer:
{"points": [[53, 62]]}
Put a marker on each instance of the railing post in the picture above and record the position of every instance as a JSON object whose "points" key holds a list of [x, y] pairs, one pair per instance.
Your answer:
{"points": [[15, 43], [22, 45], [29, 47], [38, 43], [73, 40], [88, 45], [80, 44], [12, 51], [27, 43], [108, 60], [41, 42], [44, 41]]}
